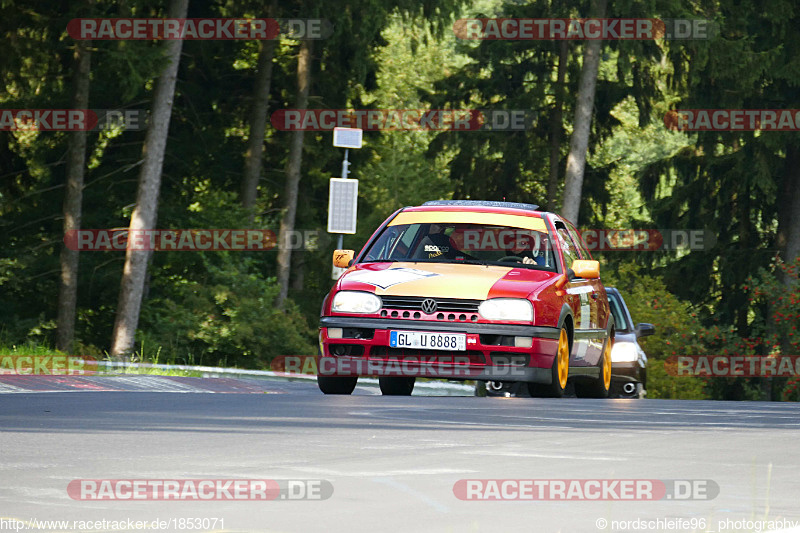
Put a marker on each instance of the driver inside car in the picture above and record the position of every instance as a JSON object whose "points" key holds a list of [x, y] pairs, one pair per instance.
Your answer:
{"points": [[526, 246], [436, 244]]}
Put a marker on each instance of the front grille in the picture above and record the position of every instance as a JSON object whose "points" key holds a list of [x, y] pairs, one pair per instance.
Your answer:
{"points": [[452, 317], [443, 305], [346, 349], [497, 340], [358, 333]]}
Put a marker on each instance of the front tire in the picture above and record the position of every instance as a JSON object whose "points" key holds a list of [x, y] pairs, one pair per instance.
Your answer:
{"points": [[559, 372], [392, 386], [337, 385]]}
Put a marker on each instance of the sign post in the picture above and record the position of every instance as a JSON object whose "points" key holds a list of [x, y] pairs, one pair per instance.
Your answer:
{"points": [[343, 192]]}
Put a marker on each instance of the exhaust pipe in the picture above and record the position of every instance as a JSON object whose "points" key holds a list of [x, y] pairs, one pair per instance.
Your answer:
{"points": [[629, 388], [496, 385]]}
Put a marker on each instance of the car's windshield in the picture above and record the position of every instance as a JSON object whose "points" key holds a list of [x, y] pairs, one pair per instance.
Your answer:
{"points": [[463, 243]]}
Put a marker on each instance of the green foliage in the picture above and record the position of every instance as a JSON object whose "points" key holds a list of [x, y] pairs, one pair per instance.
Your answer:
{"points": [[776, 294], [400, 173], [680, 332], [664, 386], [777, 318], [729, 181], [791, 392], [648, 300], [224, 315], [28, 348], [217, 306]]}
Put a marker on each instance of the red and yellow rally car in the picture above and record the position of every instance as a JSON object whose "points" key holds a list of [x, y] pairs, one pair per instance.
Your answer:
{"points": [[464, 289]]}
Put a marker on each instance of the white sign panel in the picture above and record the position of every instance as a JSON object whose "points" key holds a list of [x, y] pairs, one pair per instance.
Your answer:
{"points": [[347, 137], [342, 205]]}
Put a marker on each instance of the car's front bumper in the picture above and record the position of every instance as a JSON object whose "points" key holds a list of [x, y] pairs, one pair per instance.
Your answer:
{"points": [[365, 350], [628, 371]]}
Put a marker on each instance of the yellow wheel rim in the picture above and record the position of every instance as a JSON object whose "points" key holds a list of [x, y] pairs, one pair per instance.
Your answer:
{"points": [[607, 365], [563, 358]]}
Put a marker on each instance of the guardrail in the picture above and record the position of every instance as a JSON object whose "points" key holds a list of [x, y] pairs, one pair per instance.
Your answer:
{"points": [[215, 371]]}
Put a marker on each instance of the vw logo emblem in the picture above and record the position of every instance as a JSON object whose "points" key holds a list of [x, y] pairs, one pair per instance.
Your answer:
{"points": [[429, 305]]}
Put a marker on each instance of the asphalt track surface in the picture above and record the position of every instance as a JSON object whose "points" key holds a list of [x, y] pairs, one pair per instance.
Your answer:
{"points": [[392, 462]]}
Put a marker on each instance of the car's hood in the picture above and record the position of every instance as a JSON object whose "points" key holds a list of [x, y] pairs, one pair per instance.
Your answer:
{"points": [[444, 280]]}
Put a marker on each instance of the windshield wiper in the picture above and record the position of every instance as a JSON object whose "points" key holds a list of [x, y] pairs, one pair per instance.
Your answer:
{"points": [[509, 264], [401, 260], [452, 261], [469, 261]]}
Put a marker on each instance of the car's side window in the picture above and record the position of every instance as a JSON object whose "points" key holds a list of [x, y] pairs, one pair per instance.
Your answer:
{"points": [[619, 316], [401, 249], [568, 248], [576, 238], [394, 243], [380, 246]]}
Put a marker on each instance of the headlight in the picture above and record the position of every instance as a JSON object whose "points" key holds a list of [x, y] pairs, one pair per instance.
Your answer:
{"points": [[355, 302], [506, 309], [624, 352]]}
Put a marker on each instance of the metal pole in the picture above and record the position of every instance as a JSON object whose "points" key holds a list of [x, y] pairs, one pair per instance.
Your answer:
{"points": [[345, 164], [345, 172]]}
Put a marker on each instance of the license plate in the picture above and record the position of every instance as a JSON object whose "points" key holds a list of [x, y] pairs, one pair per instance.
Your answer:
{"points": [[428, 341]]}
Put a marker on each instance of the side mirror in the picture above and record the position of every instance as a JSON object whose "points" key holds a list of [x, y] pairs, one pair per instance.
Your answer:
{"points": [[343, 258], [582, 268], [643, 329]]}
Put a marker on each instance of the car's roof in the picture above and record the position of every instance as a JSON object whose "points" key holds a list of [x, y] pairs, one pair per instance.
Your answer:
{"points": [[478, 206]]}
